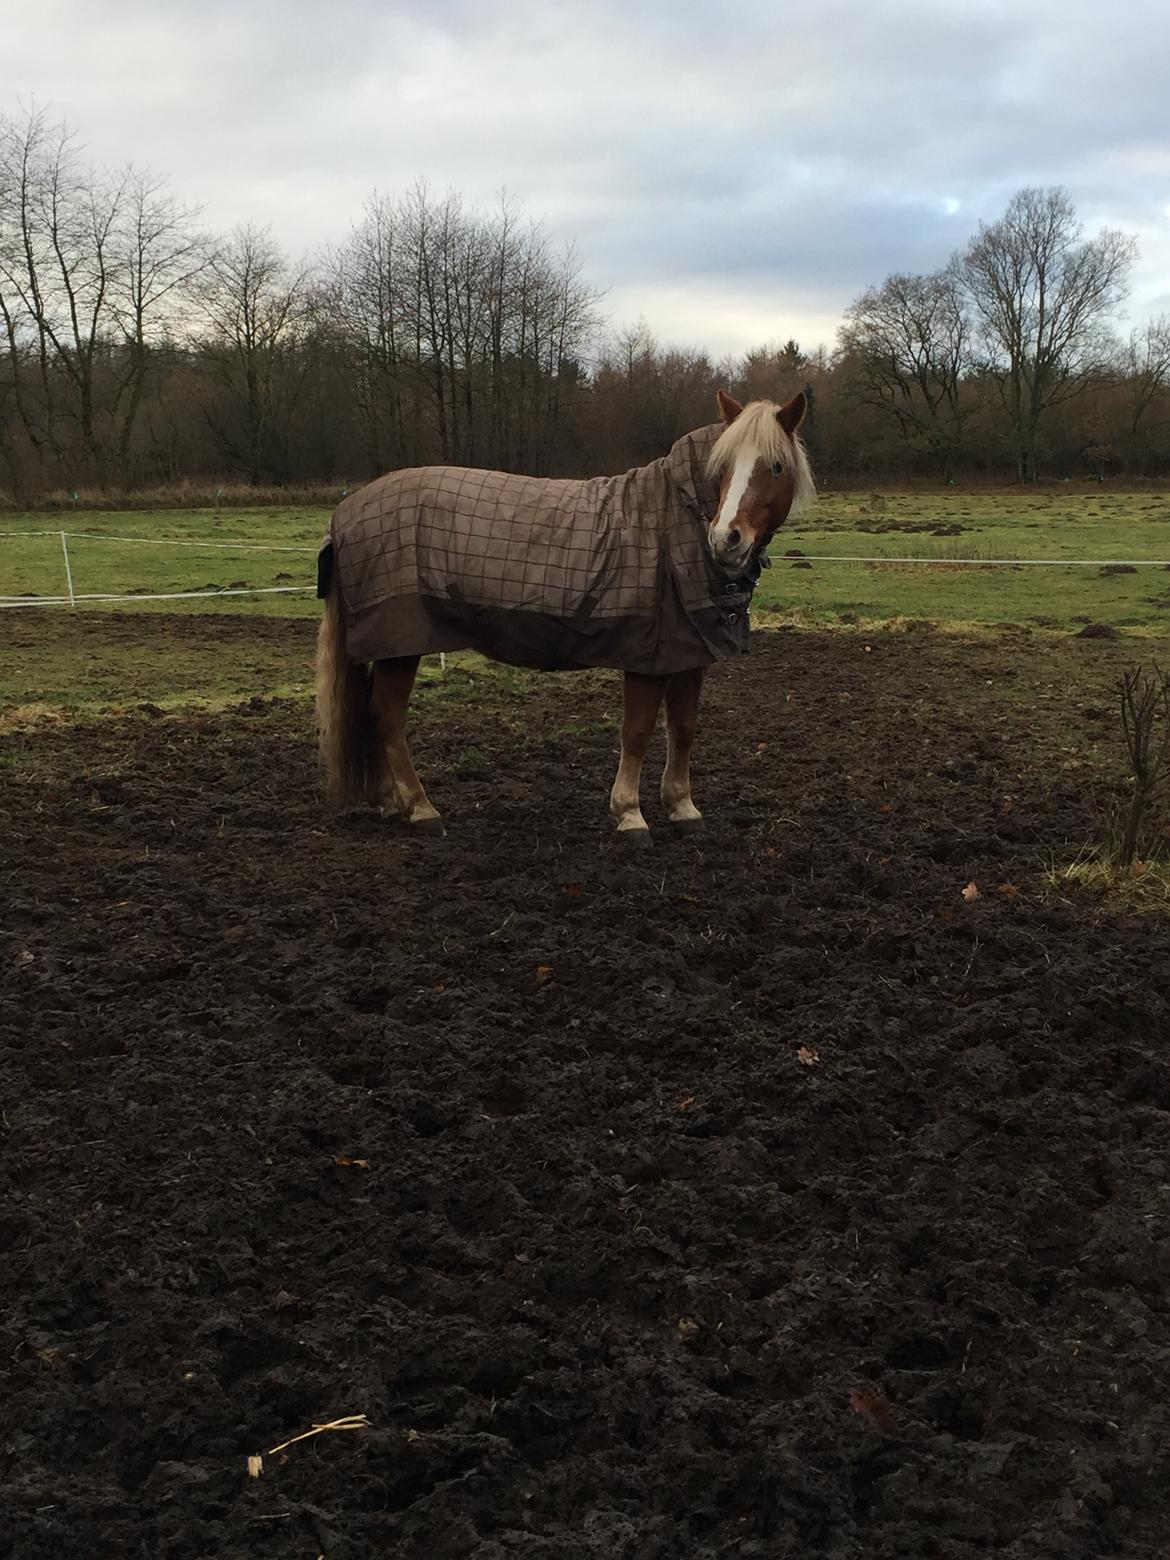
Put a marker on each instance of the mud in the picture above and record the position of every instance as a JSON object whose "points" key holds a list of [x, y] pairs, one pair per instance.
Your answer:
{"points": [[608, 1187]]}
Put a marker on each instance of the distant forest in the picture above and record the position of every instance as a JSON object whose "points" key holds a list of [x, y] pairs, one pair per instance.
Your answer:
{"points": [[140, 351]]}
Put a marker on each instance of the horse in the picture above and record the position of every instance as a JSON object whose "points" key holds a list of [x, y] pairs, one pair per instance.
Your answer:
{"points": [[650, 573]]}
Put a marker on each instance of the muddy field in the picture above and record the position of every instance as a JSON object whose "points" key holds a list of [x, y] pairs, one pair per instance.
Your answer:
{"points": [[759, 1195]]}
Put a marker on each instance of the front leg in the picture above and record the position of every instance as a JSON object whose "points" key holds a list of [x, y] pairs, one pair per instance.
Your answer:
{"points": [[641, 697], [682, 719]]}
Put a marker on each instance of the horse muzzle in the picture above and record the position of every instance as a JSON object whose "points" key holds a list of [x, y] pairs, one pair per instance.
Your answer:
{"points": [[731, 559]]}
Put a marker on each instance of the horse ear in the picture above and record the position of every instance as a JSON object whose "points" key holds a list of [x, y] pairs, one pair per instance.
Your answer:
{"points": [[791, 414], [728, 408]]}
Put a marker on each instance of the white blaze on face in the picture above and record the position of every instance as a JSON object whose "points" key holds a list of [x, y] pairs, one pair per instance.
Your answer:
{"points": [[741, 475]]}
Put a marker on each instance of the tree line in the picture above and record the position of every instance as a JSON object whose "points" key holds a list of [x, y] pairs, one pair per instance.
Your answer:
{"points": [[137, 349]]}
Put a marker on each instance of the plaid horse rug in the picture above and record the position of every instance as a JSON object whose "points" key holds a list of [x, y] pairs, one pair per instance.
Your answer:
{"points": [[608, 571]]}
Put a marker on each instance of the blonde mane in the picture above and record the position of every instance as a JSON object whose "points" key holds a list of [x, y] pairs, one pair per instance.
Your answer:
{"points": [[757, 430]]}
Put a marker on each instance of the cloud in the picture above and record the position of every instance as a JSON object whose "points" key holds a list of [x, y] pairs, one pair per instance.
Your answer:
{"points": [[716, 171]]}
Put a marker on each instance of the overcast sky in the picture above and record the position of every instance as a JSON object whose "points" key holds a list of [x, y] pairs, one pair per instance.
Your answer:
{"points": [[735, 181]]}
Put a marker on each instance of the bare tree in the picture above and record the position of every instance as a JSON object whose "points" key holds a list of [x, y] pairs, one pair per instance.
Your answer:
{"points": [[645, 395], [20, 434], [463, 335], [254, 309], [504, 238], [363, 298], [1144, 370], [58, 260], [81, 212], [89, 262], [161, 255], [1042, 296], [907, 344], [27, 153], [427, 230]]}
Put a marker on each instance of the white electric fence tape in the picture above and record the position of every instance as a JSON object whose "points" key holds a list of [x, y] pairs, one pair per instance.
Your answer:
{"points": [[75, 598]]}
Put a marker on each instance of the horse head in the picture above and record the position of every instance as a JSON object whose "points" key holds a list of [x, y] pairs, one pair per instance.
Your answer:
{"points": [[763, 475]]}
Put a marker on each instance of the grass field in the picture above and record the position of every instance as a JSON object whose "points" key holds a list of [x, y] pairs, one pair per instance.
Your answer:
{"points": [[132, 553], [118, 554], [955, 530], [84, 668]]}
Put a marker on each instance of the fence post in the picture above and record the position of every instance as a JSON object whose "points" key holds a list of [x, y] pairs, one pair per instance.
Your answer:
{"points": [[68, 572]]}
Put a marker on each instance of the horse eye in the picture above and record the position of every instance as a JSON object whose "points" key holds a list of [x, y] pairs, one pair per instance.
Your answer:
{"points": [[776, 468]]}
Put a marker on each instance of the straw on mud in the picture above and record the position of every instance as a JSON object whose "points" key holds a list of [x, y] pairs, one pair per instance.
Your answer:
{"points": [[347, 1422]]}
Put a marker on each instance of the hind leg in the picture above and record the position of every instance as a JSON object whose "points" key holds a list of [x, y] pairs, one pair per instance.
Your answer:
{"points": [[399, 788]]}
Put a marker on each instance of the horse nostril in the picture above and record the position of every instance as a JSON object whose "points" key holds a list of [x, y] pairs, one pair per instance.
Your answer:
{"points": [[733, 537]]}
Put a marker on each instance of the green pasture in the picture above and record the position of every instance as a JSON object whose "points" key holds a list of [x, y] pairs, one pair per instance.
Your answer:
{"points": [[960, 533], [118, 554], [133, 553]]}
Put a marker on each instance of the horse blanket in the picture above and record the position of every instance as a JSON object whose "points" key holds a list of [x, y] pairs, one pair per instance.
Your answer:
{"points": [[608, 571]]}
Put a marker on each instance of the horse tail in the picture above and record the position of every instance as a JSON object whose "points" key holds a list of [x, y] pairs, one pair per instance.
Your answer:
{"points": [[346, 732]]}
